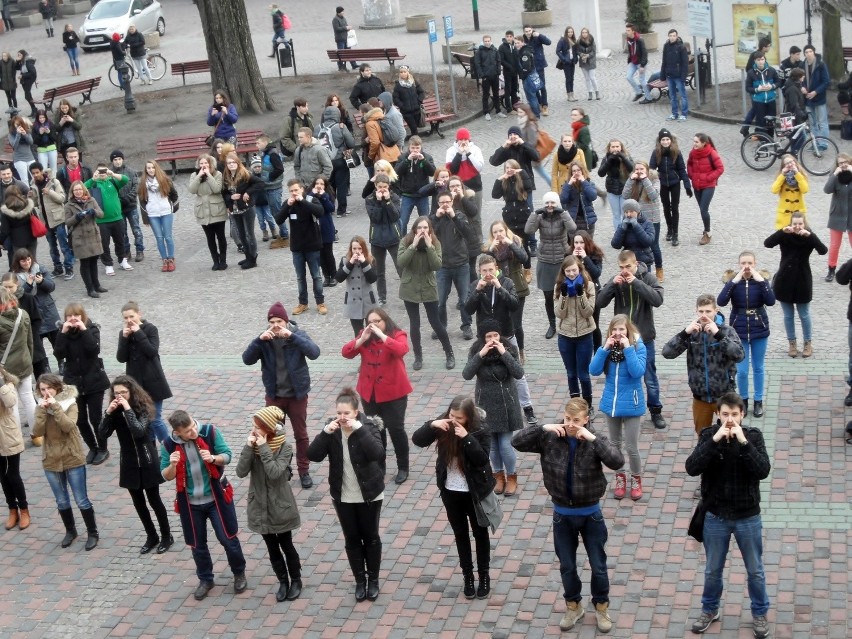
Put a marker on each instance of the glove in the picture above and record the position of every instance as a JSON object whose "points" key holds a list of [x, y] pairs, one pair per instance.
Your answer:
{"points": [[571, 291], [90, 212], [626, 223], [80, 215], [566, 288], [579, 285], [688, 192]]}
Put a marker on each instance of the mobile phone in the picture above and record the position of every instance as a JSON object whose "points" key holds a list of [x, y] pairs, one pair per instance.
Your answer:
{"points": [[102, 171]]}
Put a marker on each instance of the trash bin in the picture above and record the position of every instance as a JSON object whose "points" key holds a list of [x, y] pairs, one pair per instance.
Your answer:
{"points": [[285, 56]]}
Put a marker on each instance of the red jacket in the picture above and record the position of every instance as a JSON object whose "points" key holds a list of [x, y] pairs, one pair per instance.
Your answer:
{"points": [[382, 369], [704, 167]]}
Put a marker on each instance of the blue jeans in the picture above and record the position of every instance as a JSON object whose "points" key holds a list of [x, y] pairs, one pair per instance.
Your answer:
{"points": [[576, 354], [717, 539], [641, 87], [341, 44], [804, 317], [407, 204], [755, 354], [59, 482], [312, 260], [678, 87], [819, 119], [615, 202], [161, 225], [566, 532], [538, 167], [58, 238], [201, 514], [131, 218], [703, 197], [503, 456], [652, 384], [158, 426], [278, 36], [460, 277], [531, 93], [264, 216], [73, 58], [273, 199]]}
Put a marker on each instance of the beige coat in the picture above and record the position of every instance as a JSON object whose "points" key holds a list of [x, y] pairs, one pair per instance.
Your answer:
{"points": [[54, 200], [63, 446], [84, 235], [378, 150], [575, 313], [11, 439], [209, 205]]}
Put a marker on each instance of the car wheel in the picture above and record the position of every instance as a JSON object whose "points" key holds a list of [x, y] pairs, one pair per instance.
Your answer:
{"points": [[86, 49], [161, 27]]}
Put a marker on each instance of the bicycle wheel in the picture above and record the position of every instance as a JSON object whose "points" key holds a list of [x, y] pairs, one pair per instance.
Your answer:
{"points": [[758, 151], [816, 161], [156, 66], [113, 75]]}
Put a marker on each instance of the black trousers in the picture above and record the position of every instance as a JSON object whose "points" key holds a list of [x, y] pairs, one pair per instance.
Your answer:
{"points": [[670, 196], [90, 408], [379, 254], [13, 485], [340, 180], [548, 307], [112, 231], [462, 517], [89, 273], [216, 242], [360, 524], [138, 496], [510, 91], [413, 310], [518, 321], [490, 88], [283, 555], [393, 415], [327, 263]]}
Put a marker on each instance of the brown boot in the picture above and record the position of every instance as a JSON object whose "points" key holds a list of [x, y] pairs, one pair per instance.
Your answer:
{"points": [[660, 274], [24, 521], [498, 489], [528, 275], [37, 440], [511, 485], [793, 352], [807, 349], [13, 518]]}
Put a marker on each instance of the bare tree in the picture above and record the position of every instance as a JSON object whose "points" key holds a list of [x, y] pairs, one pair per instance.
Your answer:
{"points": [[233, 64], [833, 56]]}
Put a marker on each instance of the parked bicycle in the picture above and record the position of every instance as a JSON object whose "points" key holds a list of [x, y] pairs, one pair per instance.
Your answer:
{"points": [[157, 66], [816, 154]]}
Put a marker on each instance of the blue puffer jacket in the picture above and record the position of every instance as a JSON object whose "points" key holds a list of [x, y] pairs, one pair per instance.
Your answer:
{"points": [[623, 395], [296, 348], [570, 199], [749, 300], [637, 238]]}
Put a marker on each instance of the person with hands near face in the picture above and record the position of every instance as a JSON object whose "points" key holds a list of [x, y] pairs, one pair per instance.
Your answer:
{"points": [[321, 191], [222, 115], [464, 159], [210, 209], [790, 186], [513, 187], [732, 461], [463, 474], [414, 171], [40, 285], [636, 233], [577, 197], [616, 166], [643, 187], [839, 186], [574, 296], [508, 251], [357, 272], [572, 459], [383, 211]]}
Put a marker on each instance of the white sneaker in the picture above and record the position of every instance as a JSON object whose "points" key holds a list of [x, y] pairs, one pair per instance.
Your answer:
{"points": [[501, 114], [110, 270], [126, 265], [488, 116]]}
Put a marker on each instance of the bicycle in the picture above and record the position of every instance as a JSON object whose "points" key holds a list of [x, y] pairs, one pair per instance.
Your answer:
{"points": [[157, 66], [759, 151]]}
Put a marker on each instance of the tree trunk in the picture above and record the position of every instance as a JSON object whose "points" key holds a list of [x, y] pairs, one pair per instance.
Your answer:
{"points": [[832, 56], [233, 64]]}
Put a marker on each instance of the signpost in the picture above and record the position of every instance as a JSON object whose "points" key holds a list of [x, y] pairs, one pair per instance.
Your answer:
{"points": [[448, 33], [700, 19], [433, 38]]}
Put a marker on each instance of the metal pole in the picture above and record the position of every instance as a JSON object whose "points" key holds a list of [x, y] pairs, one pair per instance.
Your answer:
{"points": [[476, 15], [434, 73], [808, 20], [696, 69], [452, 78], [293, 56], [711, 43]]}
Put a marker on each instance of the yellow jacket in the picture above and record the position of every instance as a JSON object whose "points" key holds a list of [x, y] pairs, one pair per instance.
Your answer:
{"points": [[789, 199], [561, 172]]}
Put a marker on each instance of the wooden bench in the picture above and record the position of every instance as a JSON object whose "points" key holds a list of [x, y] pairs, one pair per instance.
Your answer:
{"points": [[847, 56], [466, 62], [83, 87], [189, 147], [433, 116], [354, 55], [187, 68]]}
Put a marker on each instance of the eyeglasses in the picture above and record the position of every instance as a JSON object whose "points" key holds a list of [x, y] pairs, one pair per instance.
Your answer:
{"points": [[121, 392]]}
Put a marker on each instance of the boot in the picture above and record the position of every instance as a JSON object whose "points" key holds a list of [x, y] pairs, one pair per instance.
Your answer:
{"points": [[660, 274], [70, 527], [51, 32], [37, 440], [591, 97], [498, 489], [91, 527], [511, 485], [597, 95], [807, 349], [745, 408], [356, 562], [551, 330], [469, 584], [274, 233], [374, 560], [47, 31], [295, 590], [24, 520], [13, 519], [451, 360], [544, 110], [830, 275], [675, 241], [620, 485], [570, 97], [265, 235], [280, 570], [792, 351], [484, 585]]}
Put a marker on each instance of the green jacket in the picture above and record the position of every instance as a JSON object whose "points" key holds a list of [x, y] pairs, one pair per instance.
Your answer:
{"points": [[20, 360], [417, 282], [271, 505], [110, 202]]}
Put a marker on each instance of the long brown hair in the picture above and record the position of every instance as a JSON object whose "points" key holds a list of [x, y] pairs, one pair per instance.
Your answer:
{"points": [[449, 445], [592, 249], [344, 114], [570, 260], [391, 327], [364, 247], [140, 401], [519, 182], [572, 40], [409, 238], [163, 181], [675, 149], [638, 192]]}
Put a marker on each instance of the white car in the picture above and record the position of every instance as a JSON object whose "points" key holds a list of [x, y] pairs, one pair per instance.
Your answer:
{"points": [[116, 16]]}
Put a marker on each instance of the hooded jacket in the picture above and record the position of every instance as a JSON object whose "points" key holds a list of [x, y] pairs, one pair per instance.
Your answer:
{"points": [[622, 395], [637, 235], [378, 150], [675, 61], [384, 221], [290, 130], [586, 53], [15, 223], [83, 233], [790, 198], [340, 135], [272, 507], [223, 123], [417, 268], [295, 349], [393, 116], [637, 300], [364, 89], [51, 197], [413, 176], [749, 299], [209, 205], [128, 193], [570, 199], [311, 161], [525, 61], [63, 446], [467, 166], [382, 376], [794, 100], [139, 466], [11, 438], [794, 282], [20, 360], [109, 188], [757, 77]]}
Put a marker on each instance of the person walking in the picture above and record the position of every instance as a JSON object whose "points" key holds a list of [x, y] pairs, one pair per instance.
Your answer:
{"points": [[280, 23], [704, 168], [8, 76], [341, 30], [667, 161], [26, 67], [839, 186], [637, 60], [529, 77], [70, 44], [135, 41]]}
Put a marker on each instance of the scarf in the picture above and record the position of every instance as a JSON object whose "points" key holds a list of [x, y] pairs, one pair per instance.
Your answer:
{"points": [[617, 353], [152, 184], [575, 129], [406, 83], [566, 157], [274, 444], [790, 179], [180, 476], [502, 253]]}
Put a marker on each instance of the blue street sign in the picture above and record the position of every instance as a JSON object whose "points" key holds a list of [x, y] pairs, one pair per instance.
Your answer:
{"points": [[433, 32], [448, 26]]}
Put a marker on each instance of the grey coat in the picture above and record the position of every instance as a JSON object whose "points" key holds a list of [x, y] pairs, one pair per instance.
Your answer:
{"points": [[496, 390], [209, 205], [554, 229], [84, 235], [340, 135], [271, 505], [360, 295], [312, 161], [840, 211]]}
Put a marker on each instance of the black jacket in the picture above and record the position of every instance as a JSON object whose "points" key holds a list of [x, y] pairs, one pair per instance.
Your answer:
{"points": [[524, 154], [675, 61], [507, 60], [486, 62], [81, 351], [139, 464], [384, 221], [476, 447], [611, 169], [413, 176], [793, 283], [136, 43], [524, 61], [140, 351], [304, 229], [408, 99], [794, 100], [454, 234], [364, 89], [844, 278], [494, 303]]}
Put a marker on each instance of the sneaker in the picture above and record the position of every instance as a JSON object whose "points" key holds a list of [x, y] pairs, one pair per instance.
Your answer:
{"points": [[140, 256], [69, 274], [760, 626], [659, 421], [681, 118], [646, 101], [109, 270], [573, 613], [467, 333], [620, 486], [635, 487], [125, 265], [301, 308], [488, 117], [704, 620], [500, 114], [322, 309], [672, 117], [603, 618], [529, 413], [58, 271]]}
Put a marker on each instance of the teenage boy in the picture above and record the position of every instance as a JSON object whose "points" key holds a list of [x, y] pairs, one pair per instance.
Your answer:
{"points": [[69, 172], [637, 60], [486, 66], [510, 72], [572, 460], [732, 460], [129, 205], [538, 41], [272, 174], [712, 351], [530, 80], [414, 171], [111, 225], [195, 455], [50, 198], [674, 70], [298, 118], [815, 86]]}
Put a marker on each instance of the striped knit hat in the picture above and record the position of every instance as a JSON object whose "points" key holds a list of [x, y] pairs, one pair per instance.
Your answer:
{"points": [[270, 419]]}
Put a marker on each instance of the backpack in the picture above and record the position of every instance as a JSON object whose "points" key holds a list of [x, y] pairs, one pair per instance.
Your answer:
{"points": [[326, 139], [285, 22], [388, 133]]}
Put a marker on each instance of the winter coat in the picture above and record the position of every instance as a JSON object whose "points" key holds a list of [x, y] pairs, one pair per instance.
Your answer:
{"points": [[20, 360], [637, 235], [272, 508], [475, 447], [511, 264], [554, 229], [711, 360], [326, 220], [561, 173], [793, 283], [136, 43], [749, 299], [611, 168], [571, 197], [364, 89], [15, 224], [305, 234], [637, 300], [70, 134], [290, 129], [757, 77], [27, 303], [51, 198], [588, 482], [516, 212], [360, 295], [223, 122], [43, 298], [455, 235], [538, 42], [140, 351], [575, 314], [341, 137], [128, 195], [28, 72], [704, 167], [524, 154], [8, 75], [382, 376], [486, 62], [139, 464], [794, 100], [417, 267], [496, 386], [209, 205], [586, 54], [413, 176], [840, 209], [507, 60], [816, 79], [384, 221], [83, 234], [670, 170], [81, 351], [583, 139], [623, 394], [408, 98], [296, 348], [341, 28], [790, 199], [494, 303], [378, 150], [567, 52], [63, 446], [366, 454], [46, 10], [11, 438], [675, 61], [637, 52], [312, 161], [648, 198], [466, 166]]}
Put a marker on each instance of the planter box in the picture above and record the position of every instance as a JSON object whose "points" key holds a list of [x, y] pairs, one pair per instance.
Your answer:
{"points": [[537, 18], [661, 12], [74, 8], [29, 20], [457, 47], [417, 23]]}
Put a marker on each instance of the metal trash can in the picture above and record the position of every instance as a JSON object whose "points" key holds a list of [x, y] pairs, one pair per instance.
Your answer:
{"points": [[285, 56], [704, 72]]}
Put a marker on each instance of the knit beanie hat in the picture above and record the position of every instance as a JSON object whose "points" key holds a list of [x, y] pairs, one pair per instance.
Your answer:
{"points": [[516, 130], [269, 418], [116, 154], [462, 134], [116, 37], [550, 196], [256, 162], [486, 326], [664, 133], [630, 205], [277, 310]]}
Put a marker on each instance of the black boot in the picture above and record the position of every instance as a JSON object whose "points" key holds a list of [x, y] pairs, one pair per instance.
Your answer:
{"points": [[47, 31], [91, 527], [356, 562], [280, 569], [70, 527], [484, 585], [451, 360], [249, 262], [51, 32], [469, 584], [551, 330], [830, 276], [675, 241], [745, 409], [374, 561]]}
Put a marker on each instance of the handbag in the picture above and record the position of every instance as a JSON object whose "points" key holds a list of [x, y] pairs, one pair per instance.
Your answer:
{"points": [[422, 121], [488, 511], [12, 337], [37, 227], [209, 139], [544, 144], [560, 64], [696, 524], [351, 38], [352, 158]]}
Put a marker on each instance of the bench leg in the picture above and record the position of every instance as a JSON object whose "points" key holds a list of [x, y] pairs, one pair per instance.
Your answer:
{"points": [[435, 127], [87, 97], [183, 77]]}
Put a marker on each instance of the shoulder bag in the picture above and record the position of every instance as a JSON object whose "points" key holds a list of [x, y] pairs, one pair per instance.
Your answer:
{"points": [[37, 227], [696, 524], [12, 338], [544, 144]]}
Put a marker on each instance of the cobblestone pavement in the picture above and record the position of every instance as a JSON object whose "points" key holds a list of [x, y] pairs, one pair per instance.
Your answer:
{"points": [[206, 318]]}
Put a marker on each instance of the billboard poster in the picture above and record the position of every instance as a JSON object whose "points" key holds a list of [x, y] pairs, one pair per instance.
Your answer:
{"points": [[752, 23]]}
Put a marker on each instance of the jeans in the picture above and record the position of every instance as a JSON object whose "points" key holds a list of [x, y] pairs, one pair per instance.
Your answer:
{"points": [[670, 197], [576, 355], [652, 384], [201, 514], [48, 158], [521, 385], [538, 167], [112, 231], [142, 71], [755, 354], [57, 238], [341, 44], [462, 517], [23, 169], [413, 310], [380, 254], [541, 95], [158, 426], [161, 225], [567, 530], [264, 217], [703, 197], [407, 204], [312, 260], [297, 411], [591, 78], [678, 87], [503, 457], [615, 202], [641, 87], [626, 429], [131, 218], [59, 482], [655, 247], [531, 93], [849, 342], [819, 119], [804, 311], [569, 77], [717, 538], [460, 277], [244, 223]]}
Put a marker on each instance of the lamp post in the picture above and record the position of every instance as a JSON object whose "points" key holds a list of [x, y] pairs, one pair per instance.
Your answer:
{"points": [[123, 70]]}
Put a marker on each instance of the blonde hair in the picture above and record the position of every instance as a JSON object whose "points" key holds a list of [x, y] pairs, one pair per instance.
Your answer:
{"points": [[387, 168], [623, 320]]}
